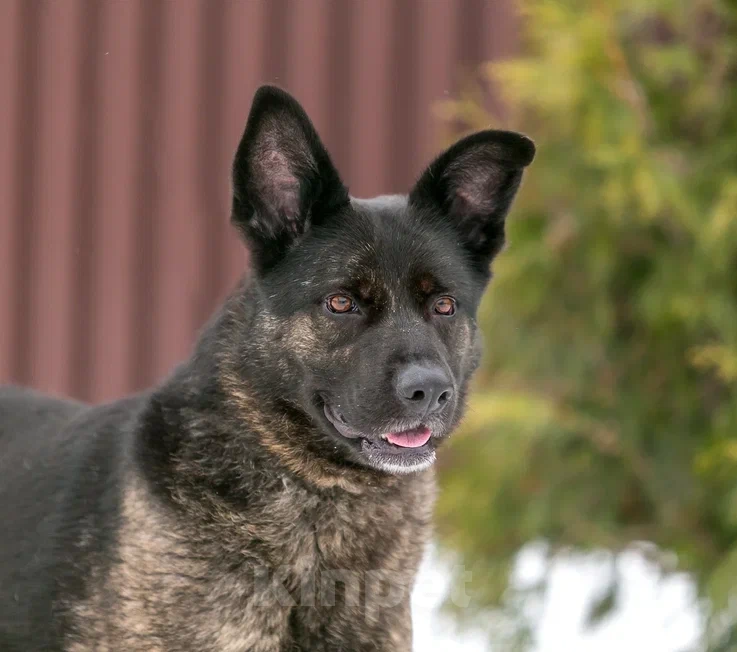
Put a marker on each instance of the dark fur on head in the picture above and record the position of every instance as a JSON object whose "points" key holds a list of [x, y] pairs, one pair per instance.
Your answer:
{"points": [[297, 439]]}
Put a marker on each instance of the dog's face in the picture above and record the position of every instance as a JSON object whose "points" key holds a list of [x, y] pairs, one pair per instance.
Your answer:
{"points": [[367, 322]]}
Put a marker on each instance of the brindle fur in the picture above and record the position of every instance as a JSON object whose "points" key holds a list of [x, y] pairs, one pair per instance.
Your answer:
{"points": [[220, 511]]}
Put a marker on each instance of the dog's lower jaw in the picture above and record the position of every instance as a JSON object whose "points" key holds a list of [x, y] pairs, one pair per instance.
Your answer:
{"points": [[401, 466]]}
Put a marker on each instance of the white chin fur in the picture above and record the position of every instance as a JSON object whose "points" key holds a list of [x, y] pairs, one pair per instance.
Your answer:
{"points": [[403, 469]]}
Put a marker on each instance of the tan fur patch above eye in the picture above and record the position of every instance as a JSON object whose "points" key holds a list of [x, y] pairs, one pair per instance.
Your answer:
{"points": [[367, 290], [426, 284]]}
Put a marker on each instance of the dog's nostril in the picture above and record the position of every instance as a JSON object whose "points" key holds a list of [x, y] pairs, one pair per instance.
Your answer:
{"points": [[418, 395], [443, 398]]}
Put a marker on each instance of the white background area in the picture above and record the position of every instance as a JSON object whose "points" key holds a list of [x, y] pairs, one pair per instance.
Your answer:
{"points": [[655, 614]]}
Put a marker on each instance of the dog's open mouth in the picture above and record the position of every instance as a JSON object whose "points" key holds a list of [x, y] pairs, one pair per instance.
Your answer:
{"points": [[398, 451], [410, 438]]}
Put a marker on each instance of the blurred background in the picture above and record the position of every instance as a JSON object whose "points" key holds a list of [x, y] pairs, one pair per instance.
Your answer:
{"points": [[590, 501]]}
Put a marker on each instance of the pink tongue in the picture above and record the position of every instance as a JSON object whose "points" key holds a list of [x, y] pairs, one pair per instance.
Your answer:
{"points": [[410, 438]]}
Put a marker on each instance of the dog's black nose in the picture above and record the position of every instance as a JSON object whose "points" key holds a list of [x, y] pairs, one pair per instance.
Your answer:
{"points": [[423, 390]]}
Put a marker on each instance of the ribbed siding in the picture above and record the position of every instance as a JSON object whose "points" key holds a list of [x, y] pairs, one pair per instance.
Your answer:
{"points": [[118, 121]]}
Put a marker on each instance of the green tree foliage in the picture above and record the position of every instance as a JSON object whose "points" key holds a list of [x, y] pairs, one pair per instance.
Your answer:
{"points": [[606, 410]]}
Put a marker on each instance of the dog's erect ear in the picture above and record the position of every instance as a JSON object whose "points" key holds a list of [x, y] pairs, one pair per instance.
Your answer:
{"points": [[472, 185], [283, 179]]}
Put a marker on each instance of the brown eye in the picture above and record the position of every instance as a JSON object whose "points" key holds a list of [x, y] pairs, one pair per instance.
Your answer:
{"points": [[341, 304], [445, 306]]}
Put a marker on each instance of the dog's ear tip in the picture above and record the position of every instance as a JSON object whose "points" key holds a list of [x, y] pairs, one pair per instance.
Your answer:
{"points": [[268, 90], [525, 148], [271, 95], [518, 149]]}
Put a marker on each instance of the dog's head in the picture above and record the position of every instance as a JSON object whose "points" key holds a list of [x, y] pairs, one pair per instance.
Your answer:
{"points": [[365, 313]]}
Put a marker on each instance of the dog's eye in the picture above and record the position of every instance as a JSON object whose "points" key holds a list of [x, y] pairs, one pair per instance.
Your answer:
{"points": [[445, 306], [341, 304]]}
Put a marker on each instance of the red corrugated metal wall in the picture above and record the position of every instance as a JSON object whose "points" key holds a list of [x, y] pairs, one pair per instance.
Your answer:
{"points": [[118, 120]]}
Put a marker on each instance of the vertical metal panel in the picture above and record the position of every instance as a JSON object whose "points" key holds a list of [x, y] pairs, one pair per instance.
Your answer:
{"points": [[118, 121], [366, 119], [112, 344], [11, 60]]}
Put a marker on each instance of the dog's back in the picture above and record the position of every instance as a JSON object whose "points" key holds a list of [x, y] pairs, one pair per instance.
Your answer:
{"points": [[25, 412], [34, 468]]}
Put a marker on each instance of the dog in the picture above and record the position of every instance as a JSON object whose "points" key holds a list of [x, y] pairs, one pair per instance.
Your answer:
{"points": [[274, 493]]}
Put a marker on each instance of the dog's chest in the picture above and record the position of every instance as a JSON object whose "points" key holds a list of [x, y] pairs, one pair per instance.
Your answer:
{"points": [[368, 531], [232, 587]]}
